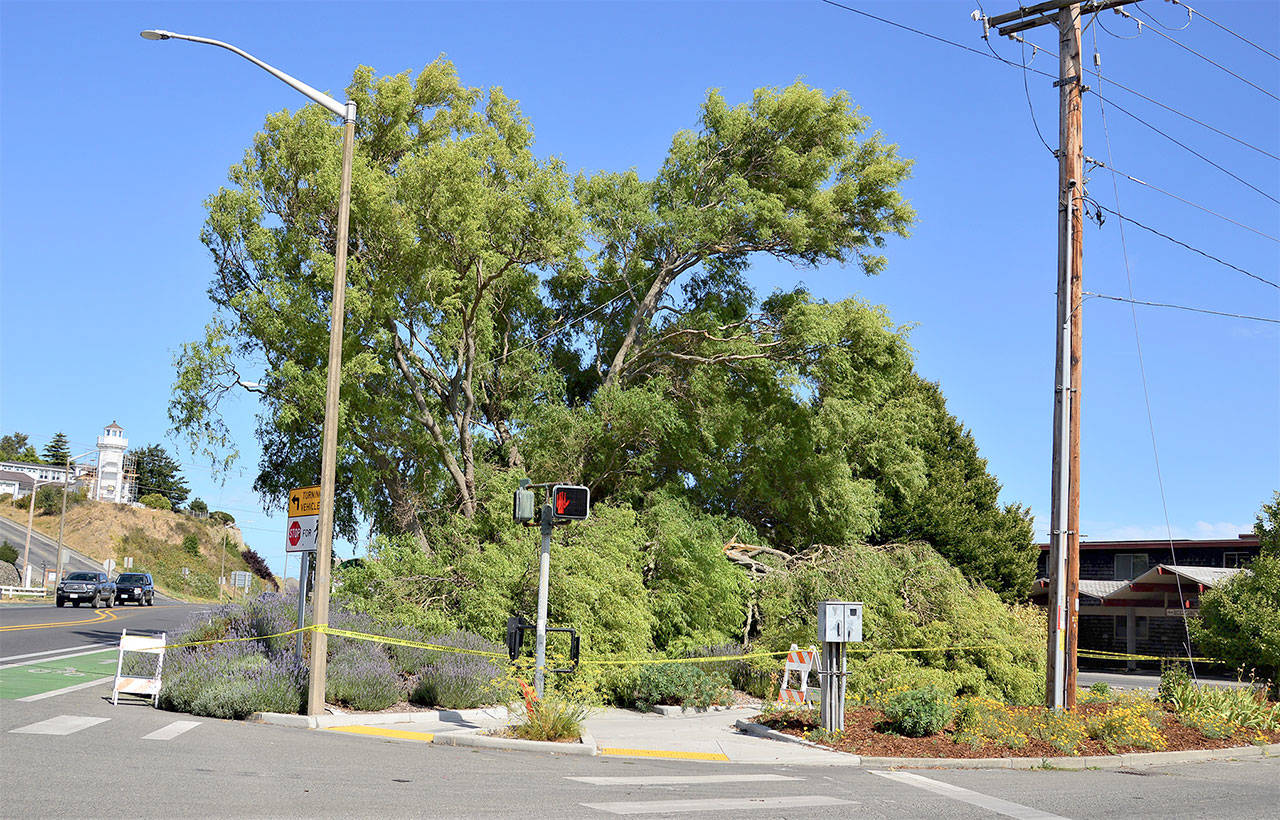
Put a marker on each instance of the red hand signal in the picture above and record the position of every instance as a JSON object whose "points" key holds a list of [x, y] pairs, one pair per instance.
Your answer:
{"points": [[562, 502]]}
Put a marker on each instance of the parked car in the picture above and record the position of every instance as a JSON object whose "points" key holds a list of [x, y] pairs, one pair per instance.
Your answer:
{"points": [[87, 588], [135, 587]]}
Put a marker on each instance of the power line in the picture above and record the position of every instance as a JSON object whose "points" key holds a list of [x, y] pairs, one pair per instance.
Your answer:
{"points": [[1187, 148], [1191, 50], [1203, 16], [563, 327], [1142, 366], [1184, 307], [1100, 164], [1205, 254]]}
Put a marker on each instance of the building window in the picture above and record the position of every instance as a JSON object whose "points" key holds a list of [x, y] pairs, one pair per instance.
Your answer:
{"points": [[1236, 559], [1140, 629], [1130, 565]]}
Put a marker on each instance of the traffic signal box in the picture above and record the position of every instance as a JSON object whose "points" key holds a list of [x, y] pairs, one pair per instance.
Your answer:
{"points": [[570, 502]]}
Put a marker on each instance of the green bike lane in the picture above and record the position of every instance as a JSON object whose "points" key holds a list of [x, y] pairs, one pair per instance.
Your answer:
{"points": [[41, 676]]}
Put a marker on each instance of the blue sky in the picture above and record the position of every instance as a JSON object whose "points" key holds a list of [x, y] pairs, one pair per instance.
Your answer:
{"points": [[109, 144]]}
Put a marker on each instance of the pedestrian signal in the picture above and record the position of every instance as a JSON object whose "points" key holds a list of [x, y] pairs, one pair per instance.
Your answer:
{"points": [[570, 502]]}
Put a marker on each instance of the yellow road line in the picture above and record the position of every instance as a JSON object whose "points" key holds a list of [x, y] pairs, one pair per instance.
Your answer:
{"points": [[104, 615], [378, 731], [667, 754]]}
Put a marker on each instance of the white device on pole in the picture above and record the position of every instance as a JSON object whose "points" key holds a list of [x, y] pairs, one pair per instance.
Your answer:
{"points": [[109, 565], [302, 532], [839, 622]]}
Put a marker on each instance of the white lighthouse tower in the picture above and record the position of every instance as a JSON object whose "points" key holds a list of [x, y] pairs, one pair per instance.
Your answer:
{"points": [[111, 478]]}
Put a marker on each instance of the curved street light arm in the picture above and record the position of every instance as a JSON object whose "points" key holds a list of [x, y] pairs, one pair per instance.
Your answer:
{"points": [[347, 112]]}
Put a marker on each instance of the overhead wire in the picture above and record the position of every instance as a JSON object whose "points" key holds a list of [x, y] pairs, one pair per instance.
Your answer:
{"points": [[1228, 314], [1100, 164], [1206, 254], [1191, 50], [1142, 368], [1241, 38]]}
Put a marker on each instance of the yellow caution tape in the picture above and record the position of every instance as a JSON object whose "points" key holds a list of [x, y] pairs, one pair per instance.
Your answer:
{"points": [[1102, 654]]}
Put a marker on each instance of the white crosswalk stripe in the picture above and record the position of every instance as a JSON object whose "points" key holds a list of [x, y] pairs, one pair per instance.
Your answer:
{"points": [[682, 779], [982, 801], [61, 725], [736, 803], [717, 804], [172, 730]]}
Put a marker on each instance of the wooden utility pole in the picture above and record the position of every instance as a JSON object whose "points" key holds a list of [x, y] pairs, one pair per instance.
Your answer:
{"points": [[1064, 532]]}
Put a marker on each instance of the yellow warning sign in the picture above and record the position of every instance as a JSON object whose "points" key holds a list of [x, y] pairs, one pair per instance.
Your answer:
{"points": [[304, 501]]}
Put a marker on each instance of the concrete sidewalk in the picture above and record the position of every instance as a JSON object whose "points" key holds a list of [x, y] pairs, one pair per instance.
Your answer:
{"points": [[707, 736]]}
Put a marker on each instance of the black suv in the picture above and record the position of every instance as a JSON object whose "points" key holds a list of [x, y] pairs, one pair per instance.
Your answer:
{"points": [[136, 587], [87, 588]]}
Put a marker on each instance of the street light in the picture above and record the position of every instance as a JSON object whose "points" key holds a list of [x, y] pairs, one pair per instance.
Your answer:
{"points": [[62, 520], [329, 448]]}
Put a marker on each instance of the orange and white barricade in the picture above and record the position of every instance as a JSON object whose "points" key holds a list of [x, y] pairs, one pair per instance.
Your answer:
{"points": [[145, 685], [800, 662]]}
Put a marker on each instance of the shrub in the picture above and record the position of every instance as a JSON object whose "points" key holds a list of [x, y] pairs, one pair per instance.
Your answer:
{"points": [[549, 719], [362, 678], [789, 716], [191, 545], [1239, 621], [982, 720], [1062, 730], [755, 676], [222, 518], [198, 507], [8, 553], [1101, 690], [1220, 711], [457, 680], [671, 684], [919, 712], [155, 501], [1130, 722], [222, 685]]}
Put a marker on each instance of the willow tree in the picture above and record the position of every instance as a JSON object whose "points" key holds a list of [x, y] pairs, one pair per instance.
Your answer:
{"points": [[489, 294]]}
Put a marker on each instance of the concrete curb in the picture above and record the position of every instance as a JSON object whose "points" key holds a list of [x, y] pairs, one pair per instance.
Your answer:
{"points": [[381, 719], [473, 738], [685, 711], [1124, 761]]}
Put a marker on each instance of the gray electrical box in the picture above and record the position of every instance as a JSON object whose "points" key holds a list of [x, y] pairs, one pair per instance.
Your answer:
{"points": [[523, 506], [840, 621]]}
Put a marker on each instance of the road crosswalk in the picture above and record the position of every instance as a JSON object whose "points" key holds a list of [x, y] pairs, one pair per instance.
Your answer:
{"points": [[70, 724], [738, 803]]}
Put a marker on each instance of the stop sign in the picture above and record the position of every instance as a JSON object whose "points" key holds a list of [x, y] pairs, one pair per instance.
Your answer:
{"points": [[295, 534]]}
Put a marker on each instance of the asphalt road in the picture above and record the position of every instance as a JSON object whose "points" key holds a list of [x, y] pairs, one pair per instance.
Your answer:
{"points": [[44, 550], [133, 760], [44, 628]]}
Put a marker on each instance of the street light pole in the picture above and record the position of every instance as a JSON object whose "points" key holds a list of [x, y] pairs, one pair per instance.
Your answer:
{"points": [[62, 520], [329, 444]]}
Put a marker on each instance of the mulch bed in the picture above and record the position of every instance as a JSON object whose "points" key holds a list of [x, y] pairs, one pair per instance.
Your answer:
{"points": [[862, 737]]}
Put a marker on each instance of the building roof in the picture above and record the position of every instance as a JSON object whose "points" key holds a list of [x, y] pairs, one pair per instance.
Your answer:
{"points": [[114, 426], [1165, 578], [1091, 588], [23, 480], [1243, 540]]}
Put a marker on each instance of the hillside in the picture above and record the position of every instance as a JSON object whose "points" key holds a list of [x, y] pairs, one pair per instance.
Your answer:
{"points": [[153, 539]]}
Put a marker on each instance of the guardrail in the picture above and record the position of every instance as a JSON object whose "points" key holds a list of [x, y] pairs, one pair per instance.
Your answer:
{"points": [[17, 592]]}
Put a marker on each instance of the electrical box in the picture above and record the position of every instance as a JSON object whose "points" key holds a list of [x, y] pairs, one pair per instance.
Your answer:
{"points": [[570, 502], [523, 506], [840, 621]]}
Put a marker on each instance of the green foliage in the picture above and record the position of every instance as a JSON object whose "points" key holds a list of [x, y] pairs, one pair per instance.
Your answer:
{"points": [[155, 501], [17, 447], [919, 712], [1239, 620], [165, 560], [231, 687], [552, 719], [673, 684], [1267, 527], [456, 680], [191, 545], [198, 507], [57, 451], [1219, 711], [221, 517], [1101, 690], [8, 553], [1130, 722], [913, 598], [160, 473], [362, 678]]}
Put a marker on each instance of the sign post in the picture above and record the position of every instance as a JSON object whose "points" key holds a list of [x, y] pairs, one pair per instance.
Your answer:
{"points": [[301, 534]]}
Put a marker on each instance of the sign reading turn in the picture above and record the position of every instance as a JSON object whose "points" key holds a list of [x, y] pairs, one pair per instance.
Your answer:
{"points": [[303, 530]]}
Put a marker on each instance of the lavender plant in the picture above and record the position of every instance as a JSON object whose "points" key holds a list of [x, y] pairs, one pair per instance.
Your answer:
{"points": [[453, 680], [360, 676]]}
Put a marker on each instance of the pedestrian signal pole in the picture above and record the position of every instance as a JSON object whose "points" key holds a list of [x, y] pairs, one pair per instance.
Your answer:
{"points": [[564, 502]]}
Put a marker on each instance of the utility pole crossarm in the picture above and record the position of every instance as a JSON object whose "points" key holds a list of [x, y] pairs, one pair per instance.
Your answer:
{"points": [[1043, 14]]}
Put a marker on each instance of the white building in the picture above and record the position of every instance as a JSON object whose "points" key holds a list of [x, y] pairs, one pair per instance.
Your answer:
{"points": [[114, 484], [17, 477]]}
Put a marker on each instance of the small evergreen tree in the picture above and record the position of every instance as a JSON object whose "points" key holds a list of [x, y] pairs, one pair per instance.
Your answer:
{"points": [[57, 451]]}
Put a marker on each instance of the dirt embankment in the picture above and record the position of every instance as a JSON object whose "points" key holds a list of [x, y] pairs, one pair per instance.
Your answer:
{"points": [[95, 528]]}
